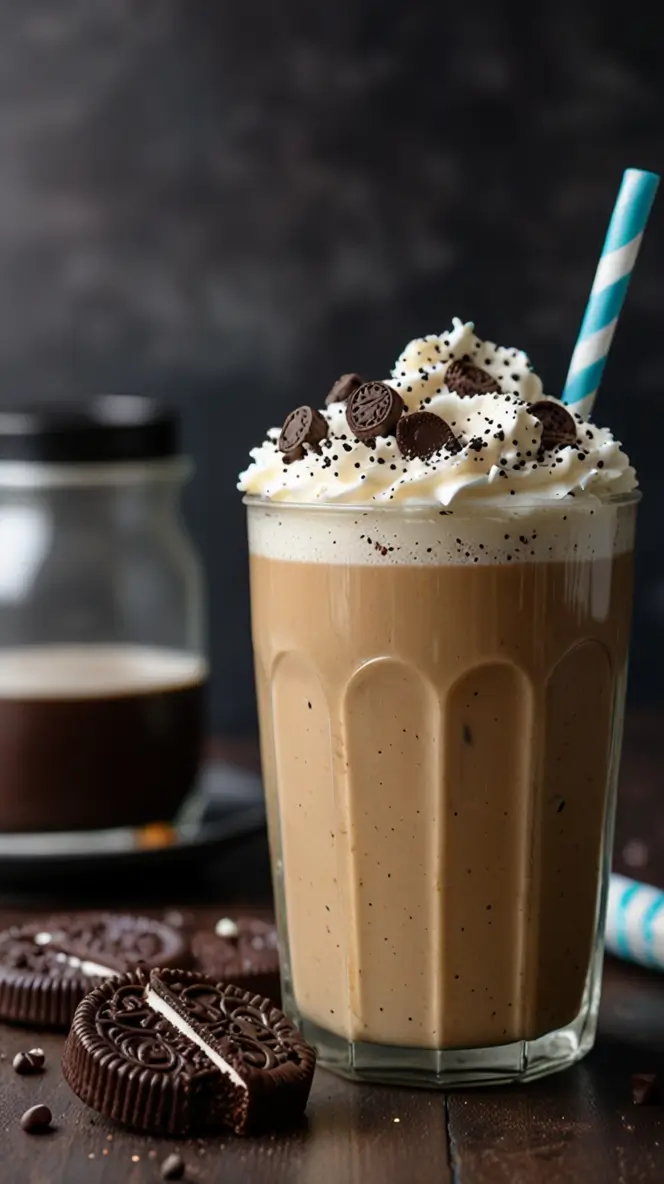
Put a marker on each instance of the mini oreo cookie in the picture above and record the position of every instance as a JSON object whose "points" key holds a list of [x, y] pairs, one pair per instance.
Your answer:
{"points": [[422, 434], [177, 1054], [374, 409], [558, 426], [303, 426], [465, 379], [242, 951], [48, 966], [343, 388]]}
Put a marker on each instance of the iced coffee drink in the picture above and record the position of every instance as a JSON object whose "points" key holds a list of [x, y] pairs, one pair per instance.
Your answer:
{"points": [[441, 575]]}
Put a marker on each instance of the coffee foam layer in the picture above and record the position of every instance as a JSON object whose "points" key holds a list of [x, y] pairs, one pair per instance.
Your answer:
{"points": [[78, 672], [376, 538]]}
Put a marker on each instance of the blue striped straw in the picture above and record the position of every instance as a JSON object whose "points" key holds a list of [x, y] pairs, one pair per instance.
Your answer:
{"points": [[607, 295], [635, 922]]}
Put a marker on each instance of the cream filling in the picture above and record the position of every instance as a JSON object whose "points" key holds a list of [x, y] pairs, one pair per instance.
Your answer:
{"points": [[91, 969], [169, 1013]]}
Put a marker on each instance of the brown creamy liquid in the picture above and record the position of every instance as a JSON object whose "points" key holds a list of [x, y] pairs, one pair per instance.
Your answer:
{"points": [[97, 736], [438, 745]]}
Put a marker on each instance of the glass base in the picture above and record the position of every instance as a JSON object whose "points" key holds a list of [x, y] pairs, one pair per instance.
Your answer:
{"points": [[454, 1068]]}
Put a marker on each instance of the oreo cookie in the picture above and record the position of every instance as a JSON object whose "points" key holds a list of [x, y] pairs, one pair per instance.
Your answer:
{"points": [[242, 951], [558, 426], [466, 379], [374, 409], [176, 1054], [422, 434], [48, 966], [343, 388], [303, 426]]}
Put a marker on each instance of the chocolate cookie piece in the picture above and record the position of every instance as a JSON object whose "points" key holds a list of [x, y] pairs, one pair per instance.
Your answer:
{"points": [[177, 1054], [241, 951], [558, 426], [374, 409], [37, 1120], [303, 426], [465, 379], [48, 966], [645, 1089], [422, 434], [343, 388]]}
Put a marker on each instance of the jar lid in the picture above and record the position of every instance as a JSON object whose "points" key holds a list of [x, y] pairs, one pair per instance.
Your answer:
{"points": [[106, 428]]}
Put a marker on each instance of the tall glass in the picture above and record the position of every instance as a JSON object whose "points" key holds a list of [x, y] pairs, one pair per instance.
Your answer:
{"points": [[441, 699]]}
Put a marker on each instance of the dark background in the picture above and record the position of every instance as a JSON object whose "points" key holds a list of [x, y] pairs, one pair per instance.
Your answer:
{"points": [[228, 203]]}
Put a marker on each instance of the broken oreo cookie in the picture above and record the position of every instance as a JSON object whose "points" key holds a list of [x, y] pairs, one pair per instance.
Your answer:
{"points": [[373, 409], [558, 426], [466, 379], [343, 388], [177, 1054], [49, 965], [422, 434], [303, 426], [242, 951]]}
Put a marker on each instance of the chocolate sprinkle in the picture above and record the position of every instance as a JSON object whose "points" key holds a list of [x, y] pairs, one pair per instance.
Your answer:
{"points": [[343, 388], [26, 1064], [36, 1120], [422, 434], [558, 427], [303, 426], [374, 409], [465, 379]]}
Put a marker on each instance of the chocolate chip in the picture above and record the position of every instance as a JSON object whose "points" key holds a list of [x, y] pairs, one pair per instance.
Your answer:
{"points": [[373, 409], [422, 434], [558, 427], [172, 1168], [26, 1063], [645, 1089], [466, 379], [36, 1120], [303, 426], [343, 388]]}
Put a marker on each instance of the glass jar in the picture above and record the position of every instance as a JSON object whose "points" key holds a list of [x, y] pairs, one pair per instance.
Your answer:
{"points": [[102, 647]]}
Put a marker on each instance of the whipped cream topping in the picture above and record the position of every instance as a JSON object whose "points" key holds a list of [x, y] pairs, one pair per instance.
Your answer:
{"points": [[499, 459]]}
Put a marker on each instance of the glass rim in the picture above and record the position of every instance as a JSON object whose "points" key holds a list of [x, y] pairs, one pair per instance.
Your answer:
{"points": [[477, 506]]}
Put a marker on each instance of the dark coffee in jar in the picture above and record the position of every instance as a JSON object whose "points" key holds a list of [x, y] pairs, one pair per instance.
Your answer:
{"points": [[97, 736]]}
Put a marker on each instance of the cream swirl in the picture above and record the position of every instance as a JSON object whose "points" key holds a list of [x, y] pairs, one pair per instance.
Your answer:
{"points": [[500, 456]]}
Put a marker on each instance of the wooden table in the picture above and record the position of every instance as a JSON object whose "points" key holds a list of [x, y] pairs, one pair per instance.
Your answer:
{"points": [[580, 1126]]}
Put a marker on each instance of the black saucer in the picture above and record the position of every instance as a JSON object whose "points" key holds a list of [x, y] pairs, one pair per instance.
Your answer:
{"points": [[225, 806]]}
